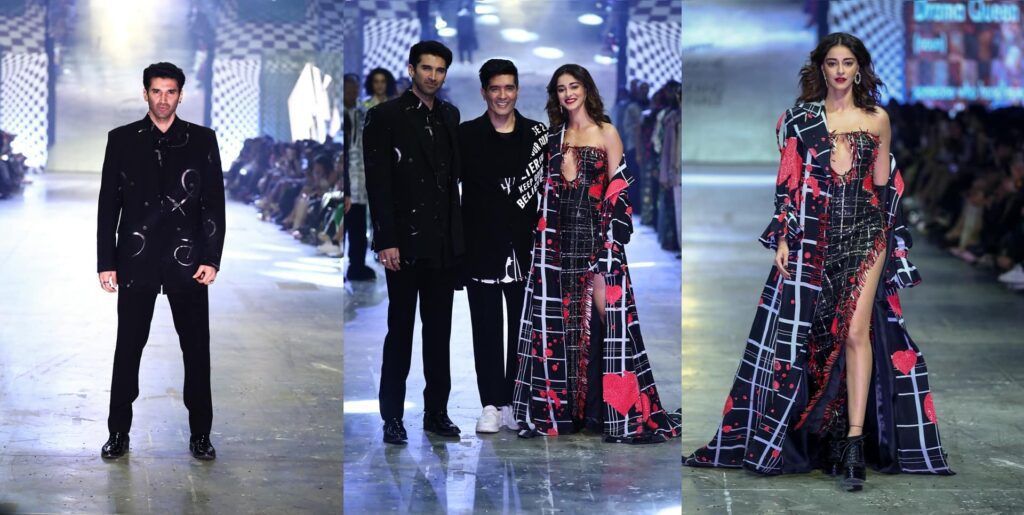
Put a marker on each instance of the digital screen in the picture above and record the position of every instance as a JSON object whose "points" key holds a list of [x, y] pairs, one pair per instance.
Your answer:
{"points": [[964, 52]]}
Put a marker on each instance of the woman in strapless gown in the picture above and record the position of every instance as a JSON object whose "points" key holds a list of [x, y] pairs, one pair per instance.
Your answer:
{"points": [[583, 364], [830, 378]]}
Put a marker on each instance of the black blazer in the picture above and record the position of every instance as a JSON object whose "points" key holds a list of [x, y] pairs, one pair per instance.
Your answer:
{"points": [[497, 221], [400, 177], [161, 206]]}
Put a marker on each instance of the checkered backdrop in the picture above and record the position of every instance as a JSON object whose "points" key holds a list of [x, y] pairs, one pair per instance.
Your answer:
{"points": [[654, 41], [23, 81], [24, 34], [879, 23], [23, 106], [236, 109], [386, 43], [385, 8], [264, 59]]}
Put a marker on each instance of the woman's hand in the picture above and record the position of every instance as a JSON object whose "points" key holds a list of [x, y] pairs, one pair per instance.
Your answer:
{"points": [[782, 259]]}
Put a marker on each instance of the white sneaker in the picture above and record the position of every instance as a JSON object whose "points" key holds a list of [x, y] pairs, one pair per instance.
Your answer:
{"points": [[1014, 275], [508, 418], [490, 420]]}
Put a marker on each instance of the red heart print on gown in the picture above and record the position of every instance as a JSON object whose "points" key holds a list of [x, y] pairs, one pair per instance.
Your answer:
{"points": [[621, 392]]}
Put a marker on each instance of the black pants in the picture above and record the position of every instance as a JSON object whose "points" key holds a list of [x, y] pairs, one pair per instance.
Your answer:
{"points": [[495, 370], [355, 230], [191, 313], [434, 289]]}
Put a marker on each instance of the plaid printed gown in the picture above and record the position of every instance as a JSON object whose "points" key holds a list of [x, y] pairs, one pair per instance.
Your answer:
{"points": [[774, 420], [550, 393]]}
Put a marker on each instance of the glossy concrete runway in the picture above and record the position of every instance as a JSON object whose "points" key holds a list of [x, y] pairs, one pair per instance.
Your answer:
{"points": [[276, 355], [502, 473], [968, 327]]}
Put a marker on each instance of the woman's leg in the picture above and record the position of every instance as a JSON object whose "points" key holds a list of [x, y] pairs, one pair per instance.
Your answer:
{"points": [[858, 350], [597, 308]]}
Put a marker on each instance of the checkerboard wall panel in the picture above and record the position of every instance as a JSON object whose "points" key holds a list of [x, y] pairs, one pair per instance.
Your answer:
{"points": [[656, 11], [386, 43], [389, 9], [654, 51], [24, 34], [23, 106], [235, 102], [879, 23], [244, 40]]}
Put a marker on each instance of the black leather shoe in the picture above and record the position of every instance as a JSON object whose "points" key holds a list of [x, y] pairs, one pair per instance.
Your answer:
{"points": [[437, 422], [201, 447], [363, 273], [853, 469], [394, 432], [116, 446]]}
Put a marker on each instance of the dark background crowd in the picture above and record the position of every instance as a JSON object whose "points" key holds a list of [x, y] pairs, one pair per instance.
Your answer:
{"points": [[964, 179], [12, 167], [297, 186]]}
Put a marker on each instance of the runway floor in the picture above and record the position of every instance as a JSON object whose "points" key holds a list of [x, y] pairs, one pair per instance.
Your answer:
{"points": [[967, 325], [502, 473], [276, 356]]}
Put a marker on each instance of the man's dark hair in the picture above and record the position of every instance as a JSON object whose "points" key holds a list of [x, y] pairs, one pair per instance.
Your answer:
{"points": [[431, 47], [163, 71], [494, 67], [325, 160], [351, 77]]}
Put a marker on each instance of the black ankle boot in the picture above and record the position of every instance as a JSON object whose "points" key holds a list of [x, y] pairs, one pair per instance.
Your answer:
{"points": [[853, 469]]}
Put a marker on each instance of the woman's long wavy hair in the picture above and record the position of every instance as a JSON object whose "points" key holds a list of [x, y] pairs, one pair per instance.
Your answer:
{"points": [[813, 87], [593, 104]]}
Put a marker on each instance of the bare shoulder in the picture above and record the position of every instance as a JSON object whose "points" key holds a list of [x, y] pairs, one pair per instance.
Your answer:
{"points": [[879, 119], [610, 135]]}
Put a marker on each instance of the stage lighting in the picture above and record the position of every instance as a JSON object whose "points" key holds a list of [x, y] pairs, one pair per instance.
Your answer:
{"points": [[439, 23], [447, 32], [489, 19], [485, 9], [604, 59], [590, 19], [518, 35], [548, 52]]}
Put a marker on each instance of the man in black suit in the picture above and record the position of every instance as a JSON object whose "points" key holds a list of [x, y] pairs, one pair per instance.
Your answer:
{"points": [[160, 228], [410, 148]]}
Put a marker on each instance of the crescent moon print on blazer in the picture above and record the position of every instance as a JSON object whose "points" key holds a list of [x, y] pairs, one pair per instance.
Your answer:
{"points": [[156, 229]]}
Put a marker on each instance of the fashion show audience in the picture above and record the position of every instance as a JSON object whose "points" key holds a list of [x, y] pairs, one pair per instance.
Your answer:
{"points": [[12, 167], [298, 186], [964, 177]]}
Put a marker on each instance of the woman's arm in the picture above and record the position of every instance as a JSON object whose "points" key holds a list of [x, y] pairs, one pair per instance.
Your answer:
{"points": [[881, 171]]}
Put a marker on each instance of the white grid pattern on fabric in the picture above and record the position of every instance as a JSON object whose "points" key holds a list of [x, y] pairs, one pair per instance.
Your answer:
{"points": [[656, 11], [24, 34], [387, 43], [879, 24], [23, 106], [655, 51], [236, 104]]}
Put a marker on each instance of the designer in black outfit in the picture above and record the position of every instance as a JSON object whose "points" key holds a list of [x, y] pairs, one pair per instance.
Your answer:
{"points": [[503, 159], [410, 147], [160, 228]]}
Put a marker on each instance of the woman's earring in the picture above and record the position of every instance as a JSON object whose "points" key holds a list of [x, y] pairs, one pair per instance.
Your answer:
{"points": [[856, 78]]}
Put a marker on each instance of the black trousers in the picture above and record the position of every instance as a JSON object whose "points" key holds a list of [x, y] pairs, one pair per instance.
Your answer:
{"points": [[355, 230], [495, 369], [191, 313], [435, 289]]}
